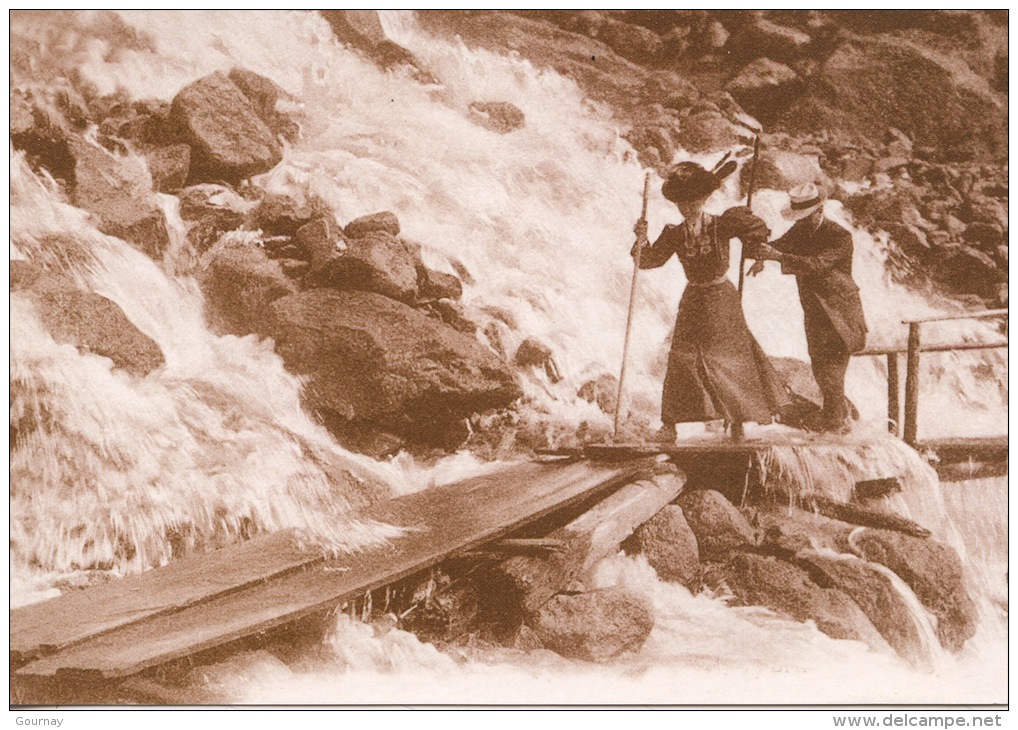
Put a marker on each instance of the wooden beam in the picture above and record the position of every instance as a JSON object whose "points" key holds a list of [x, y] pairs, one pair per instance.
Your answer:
{"points": [[893, 390], [912, 385], [522, 584]]}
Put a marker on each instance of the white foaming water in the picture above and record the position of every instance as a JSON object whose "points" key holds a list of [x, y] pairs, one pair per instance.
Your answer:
{"points": [[215, 443]]}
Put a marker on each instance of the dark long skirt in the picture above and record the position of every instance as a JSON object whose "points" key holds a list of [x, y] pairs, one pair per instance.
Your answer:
{"points": [[716, 369]]}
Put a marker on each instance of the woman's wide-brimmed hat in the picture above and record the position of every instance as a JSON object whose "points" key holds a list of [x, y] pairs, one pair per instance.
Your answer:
{"points": [[689, 181], [802, 201]]}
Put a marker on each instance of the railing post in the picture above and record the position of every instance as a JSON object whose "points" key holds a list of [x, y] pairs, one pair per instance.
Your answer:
{"points": [[893, 390], [912, 384]]}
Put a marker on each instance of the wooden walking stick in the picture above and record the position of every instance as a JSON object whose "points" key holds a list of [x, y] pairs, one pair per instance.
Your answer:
{"points": [[632, 302], [749, 204]]}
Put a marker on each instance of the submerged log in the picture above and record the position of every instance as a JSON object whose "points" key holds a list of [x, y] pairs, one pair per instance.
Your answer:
{"points": [[522, 584], [851, 513]]}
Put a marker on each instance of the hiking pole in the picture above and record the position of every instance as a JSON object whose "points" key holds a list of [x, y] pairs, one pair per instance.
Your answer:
{"points": [[632, 301], [749, 204]]}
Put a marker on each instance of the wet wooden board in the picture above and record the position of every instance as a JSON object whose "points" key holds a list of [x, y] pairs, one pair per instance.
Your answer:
{"points": [[621, 452], [955, 450], [441, 521], [42, 628]]}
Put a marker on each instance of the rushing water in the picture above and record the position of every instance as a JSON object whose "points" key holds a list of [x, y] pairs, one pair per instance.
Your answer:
{"points": [[126, 471]]}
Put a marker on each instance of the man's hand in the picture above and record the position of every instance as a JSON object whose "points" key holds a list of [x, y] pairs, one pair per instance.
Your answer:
{"points": [[756, 268], [763, 252]]}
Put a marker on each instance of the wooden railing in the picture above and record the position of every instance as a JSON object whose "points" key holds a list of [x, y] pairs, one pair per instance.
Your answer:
{"points": [[913, 351]]}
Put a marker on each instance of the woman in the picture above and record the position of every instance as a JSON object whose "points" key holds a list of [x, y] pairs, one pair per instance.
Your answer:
{"points": [[716, 369]]}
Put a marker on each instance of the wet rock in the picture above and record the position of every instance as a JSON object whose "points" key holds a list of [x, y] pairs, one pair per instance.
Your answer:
{"points": [[240, 282], [876, 595], [169, 166], [669, 545], [654, 144], [764, 87], [597, 627], [707, 131], [372, 359], [719, 527], [787, 530], [763, 38], [763, 580], [498, 116], [969, 270], [143, 123], [42, 134], [854, 167], [363, 30], [320, 241], [229, 140], [934, 573], [632, 42], [783, 170], [453, 315], [715, 37], [671, 90], [375, 262], [438, 284], [384, 221], [910, 239], [532, 353], [90, 322], [210, 211], [117, 191], [281, 214], [873, 82], [268, 98], [984, 235], [602, 390]]}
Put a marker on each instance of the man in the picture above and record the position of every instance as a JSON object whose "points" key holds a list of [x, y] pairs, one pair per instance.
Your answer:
{"points": [[818, 252]]}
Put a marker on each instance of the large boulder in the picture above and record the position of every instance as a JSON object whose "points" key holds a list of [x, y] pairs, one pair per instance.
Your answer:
{"points": [[875, 593], [669, 545], [383, 221], [268, 98], [117, 191], [90, 322], [228, 139], [719, 527], [764, 87], [362, 29], [934, 573], [764, 580], [372, 359], [240, 281], [377, 262], [597, 626], [788, 530]]}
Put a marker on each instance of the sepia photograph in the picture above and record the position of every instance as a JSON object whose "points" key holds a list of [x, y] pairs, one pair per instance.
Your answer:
{"points": [[509, 358]]}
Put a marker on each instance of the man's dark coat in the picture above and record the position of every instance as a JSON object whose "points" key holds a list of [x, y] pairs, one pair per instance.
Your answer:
{"points": [[822, 264]]}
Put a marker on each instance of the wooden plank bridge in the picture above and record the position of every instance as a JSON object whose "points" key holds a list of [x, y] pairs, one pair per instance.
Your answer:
{"points": [[208, 602]]}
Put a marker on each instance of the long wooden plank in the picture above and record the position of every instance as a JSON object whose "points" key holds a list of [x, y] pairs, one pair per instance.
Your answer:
{"points": [[978, 448], [44, 627], [442, 520]]}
